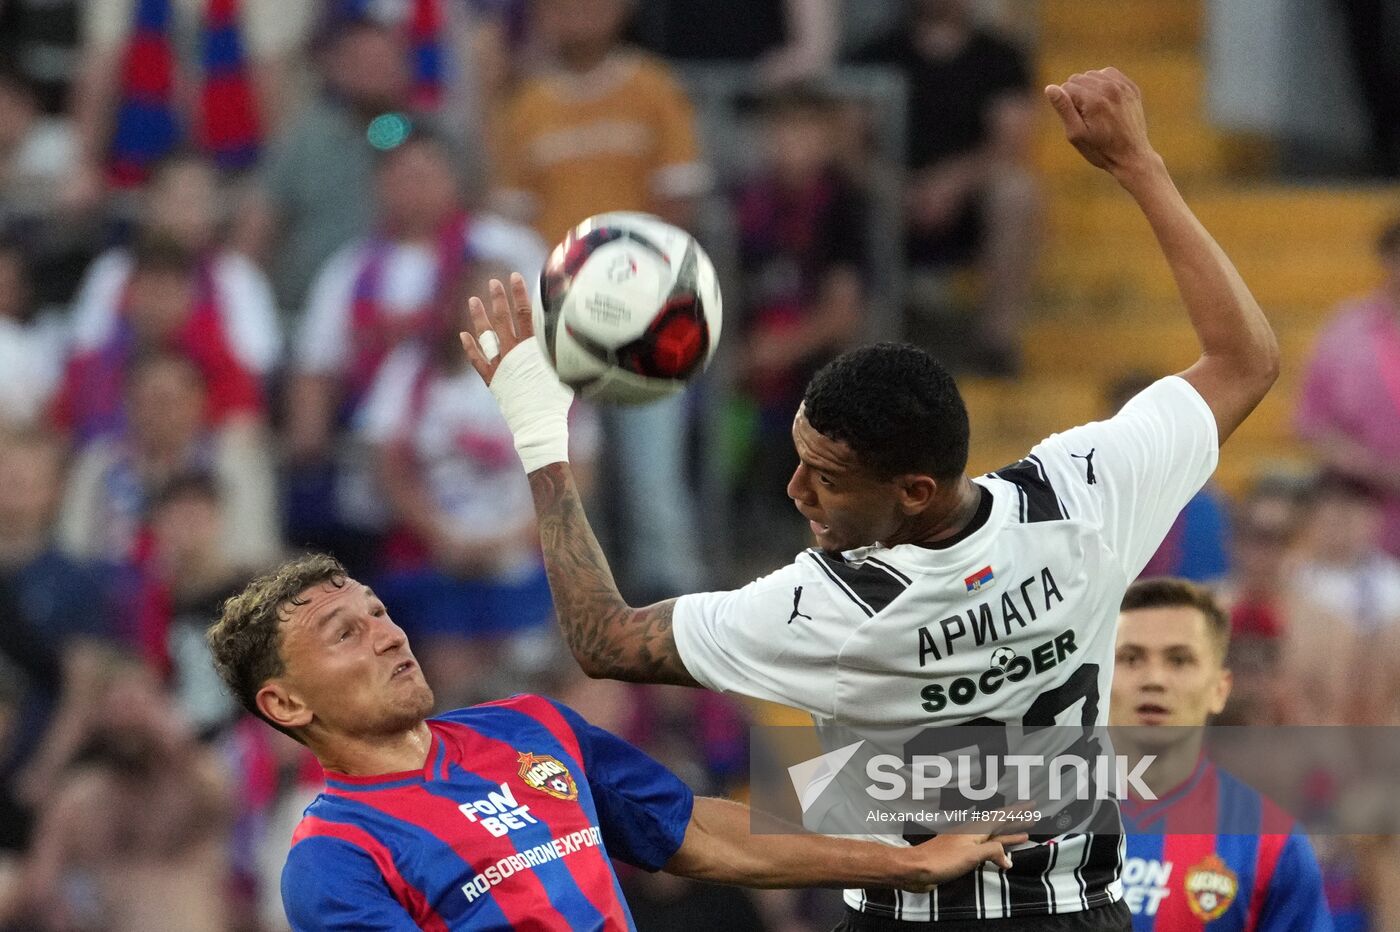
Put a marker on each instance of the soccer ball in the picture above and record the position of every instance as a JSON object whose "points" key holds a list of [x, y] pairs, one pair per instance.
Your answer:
{"points": [[630, 308]]}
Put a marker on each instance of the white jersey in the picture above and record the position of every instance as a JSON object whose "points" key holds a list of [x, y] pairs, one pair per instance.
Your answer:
{"points": [[890, 638]]}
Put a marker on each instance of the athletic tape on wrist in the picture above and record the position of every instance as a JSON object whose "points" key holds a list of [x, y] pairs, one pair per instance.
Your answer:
{"points": [[535, 405]]}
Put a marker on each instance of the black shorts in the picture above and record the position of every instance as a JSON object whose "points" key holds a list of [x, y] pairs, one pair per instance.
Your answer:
{"points": [[1115, 917]]}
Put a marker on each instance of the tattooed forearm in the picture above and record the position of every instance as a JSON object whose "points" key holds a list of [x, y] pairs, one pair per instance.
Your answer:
{"points": [[608, 637]]}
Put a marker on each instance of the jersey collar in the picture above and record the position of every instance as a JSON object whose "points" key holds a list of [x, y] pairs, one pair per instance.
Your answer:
{"points": [[432, 768], [979, 520], [1143, 811]]}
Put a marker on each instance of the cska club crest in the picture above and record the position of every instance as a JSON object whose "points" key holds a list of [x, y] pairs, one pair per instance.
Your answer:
{"points": [[548, 775], [1210, 888]]}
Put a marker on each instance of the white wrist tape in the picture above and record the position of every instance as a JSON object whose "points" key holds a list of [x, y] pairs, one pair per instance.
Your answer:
{"points": [[535, 405]]}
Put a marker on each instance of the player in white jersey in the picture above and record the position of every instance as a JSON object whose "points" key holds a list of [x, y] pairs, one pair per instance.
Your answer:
{"points": [[932, 598]]}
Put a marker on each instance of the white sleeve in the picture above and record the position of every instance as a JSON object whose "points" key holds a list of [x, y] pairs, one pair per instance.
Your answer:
{"points": [[250, 312], [753, 642], [1133, 473], [323, 341], [98, 299], [383, 415]]}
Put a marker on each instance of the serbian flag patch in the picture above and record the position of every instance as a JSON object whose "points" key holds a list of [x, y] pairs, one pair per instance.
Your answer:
{"points": [[980, 579]]}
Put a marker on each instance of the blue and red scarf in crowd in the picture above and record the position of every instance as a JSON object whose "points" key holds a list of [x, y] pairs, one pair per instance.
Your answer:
{"points": [[149, 125], [377, 331], [227, 126], [90, 401]]}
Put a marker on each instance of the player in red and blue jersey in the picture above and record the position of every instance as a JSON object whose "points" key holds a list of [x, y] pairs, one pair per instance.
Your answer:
{"points": [[1209, 854], [499, 816]]}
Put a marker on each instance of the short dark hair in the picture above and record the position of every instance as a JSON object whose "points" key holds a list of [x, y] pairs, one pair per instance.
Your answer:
{"points": [[12, 245], [157, 252], [246, 642], [184, 486], [1173, 592], [804, 98], [895, 406], [18, 82], [1388, 243], [1331, 485]]}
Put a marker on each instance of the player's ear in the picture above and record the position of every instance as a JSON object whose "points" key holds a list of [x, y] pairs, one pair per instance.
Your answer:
{"points": [[1221, 692], [282, 705], [916, 491]]}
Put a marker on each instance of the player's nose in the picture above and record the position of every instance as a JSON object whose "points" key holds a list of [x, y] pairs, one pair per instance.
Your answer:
{"points": [[1152, 678], [798, 488], [387, 635]]}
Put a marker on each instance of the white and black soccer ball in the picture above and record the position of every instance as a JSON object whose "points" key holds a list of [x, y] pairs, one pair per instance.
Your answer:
{"points": [[1002, 656], [630, 308]]}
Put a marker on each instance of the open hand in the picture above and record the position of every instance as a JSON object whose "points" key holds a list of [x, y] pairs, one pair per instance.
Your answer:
{"points": [[1103, 118], [501, 347], [496, 332]]}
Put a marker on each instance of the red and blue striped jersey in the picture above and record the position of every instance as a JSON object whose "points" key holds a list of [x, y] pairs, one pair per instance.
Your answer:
{"points": [[510, 824], [1256, 873]]}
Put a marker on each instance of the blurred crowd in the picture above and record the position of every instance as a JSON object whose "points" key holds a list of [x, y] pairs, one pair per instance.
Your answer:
{"points": [[235, 244]]}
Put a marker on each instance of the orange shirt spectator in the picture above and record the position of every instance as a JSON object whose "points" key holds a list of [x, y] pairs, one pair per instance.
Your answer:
{"points": [[619, 136]]}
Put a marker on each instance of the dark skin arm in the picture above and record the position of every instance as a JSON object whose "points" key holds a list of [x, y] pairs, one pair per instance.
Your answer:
{"points": [[609, 638], [1103, 118]]}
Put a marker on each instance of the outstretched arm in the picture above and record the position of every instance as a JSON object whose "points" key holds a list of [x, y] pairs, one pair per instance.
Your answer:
{"points": [[721, 846], [1103, 117], [608, 637]]}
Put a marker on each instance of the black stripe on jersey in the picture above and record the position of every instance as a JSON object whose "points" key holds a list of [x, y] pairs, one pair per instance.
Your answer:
{"points": [[1023, 889], [1079, 872], [1049, 873], [1102, 866], [869, 586], [1039, 501], [889, 569], [825, 568], [1044, 475], [879, 902]]}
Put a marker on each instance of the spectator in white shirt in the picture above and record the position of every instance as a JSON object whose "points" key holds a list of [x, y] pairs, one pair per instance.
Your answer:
{"points": [[372, 296], [184, 206], [462, 563], [31, 343]]}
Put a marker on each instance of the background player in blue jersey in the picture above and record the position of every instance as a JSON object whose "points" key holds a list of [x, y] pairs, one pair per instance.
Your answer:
{"points": [[1253, 872], [498, 816]]}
